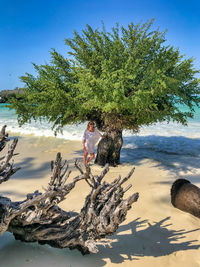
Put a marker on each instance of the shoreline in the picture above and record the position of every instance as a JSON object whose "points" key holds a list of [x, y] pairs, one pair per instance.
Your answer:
{"points": [[154, 232]]}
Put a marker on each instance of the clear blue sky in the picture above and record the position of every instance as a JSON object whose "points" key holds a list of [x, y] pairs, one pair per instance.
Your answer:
{"points": [[29, 29]]}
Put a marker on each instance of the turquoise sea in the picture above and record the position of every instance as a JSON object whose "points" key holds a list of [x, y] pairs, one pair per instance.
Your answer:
{"points": [[165, 138]]}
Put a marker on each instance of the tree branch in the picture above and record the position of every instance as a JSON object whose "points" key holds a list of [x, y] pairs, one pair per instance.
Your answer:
{"points": [[6, 168], [3, 137]]}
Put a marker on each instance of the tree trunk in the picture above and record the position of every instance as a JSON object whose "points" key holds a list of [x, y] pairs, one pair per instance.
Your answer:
{"points": [[108, 150], [39, 219], [186, 197]]}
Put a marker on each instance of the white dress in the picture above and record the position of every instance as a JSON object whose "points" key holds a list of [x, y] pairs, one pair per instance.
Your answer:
{"points": [[91, 138]]}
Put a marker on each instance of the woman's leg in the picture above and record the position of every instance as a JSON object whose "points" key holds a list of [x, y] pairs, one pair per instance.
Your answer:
{"points": [[91, 157], [85, 157]]}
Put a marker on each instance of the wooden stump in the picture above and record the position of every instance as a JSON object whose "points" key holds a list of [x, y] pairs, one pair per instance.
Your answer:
{"points": [[186, 197]]}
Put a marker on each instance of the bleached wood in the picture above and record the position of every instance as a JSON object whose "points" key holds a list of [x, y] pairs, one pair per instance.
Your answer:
{"points": [[38, 217]]}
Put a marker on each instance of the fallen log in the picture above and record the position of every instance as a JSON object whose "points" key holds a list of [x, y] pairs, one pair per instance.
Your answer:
{"points": [[38, 218], [186, 197]]}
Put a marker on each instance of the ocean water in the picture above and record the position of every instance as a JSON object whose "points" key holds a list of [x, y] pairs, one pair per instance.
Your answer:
{"points": [[168, 138]]}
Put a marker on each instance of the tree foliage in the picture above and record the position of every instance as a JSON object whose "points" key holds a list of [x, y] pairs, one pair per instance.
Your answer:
{"points": [[120, 79]]}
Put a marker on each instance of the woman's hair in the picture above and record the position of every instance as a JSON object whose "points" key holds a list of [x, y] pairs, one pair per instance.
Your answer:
{"points": [[90, 123]]}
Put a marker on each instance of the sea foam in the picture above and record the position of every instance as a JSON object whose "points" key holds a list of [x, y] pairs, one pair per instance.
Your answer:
{"points": [[171, 138]]}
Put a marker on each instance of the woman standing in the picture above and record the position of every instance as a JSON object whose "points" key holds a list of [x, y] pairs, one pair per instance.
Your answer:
{"points": [[90, 138]]}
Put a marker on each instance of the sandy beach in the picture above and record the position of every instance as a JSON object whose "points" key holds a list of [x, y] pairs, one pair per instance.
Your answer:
{"points": [[154, 232]]}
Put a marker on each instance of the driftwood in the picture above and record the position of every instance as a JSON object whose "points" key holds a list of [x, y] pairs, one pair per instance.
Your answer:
{"points": [[3, 137], [6, 168], [186, 197], [39, 219]]}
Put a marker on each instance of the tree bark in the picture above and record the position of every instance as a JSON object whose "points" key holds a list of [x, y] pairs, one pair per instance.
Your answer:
{"points": [[108, 150], [186, 197], [38, 218]]}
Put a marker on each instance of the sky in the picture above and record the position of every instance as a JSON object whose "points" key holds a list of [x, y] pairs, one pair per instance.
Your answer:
{"points": [[29, 29]]}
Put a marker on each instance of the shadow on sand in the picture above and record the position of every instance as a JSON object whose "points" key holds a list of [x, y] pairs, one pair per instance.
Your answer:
{"points": [[174, 153], [132, 241], [140, 239], [146, 239]]}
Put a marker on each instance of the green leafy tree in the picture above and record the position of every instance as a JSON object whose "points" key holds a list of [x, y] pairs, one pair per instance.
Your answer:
{"points": [[121, 79]]}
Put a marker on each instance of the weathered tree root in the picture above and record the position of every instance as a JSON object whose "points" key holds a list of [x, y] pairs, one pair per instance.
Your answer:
{"points": [[186, 197], [38, 218], [3, 137], [6, 168]]}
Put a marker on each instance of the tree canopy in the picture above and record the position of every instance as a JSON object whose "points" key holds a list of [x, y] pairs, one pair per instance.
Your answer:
{"points": [[120, 79]]}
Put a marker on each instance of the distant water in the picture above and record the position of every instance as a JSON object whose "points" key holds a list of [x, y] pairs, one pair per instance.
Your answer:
{"points": [[169, 138]]}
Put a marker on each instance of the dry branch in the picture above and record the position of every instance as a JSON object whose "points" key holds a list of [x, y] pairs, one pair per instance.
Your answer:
{"points": [[6, 168], [3, 137], [38, 218]]}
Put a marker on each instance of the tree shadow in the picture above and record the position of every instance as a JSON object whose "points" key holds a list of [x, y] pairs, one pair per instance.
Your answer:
{"points": [[174, 153], [10, 193], [166, 150], [141, 239], [146, 239], [26, 165], [28, 171], [32, 254], [191, 177]]}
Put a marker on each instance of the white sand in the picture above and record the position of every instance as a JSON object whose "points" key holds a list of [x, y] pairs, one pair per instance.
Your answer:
{"points": [[154, 233]]}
